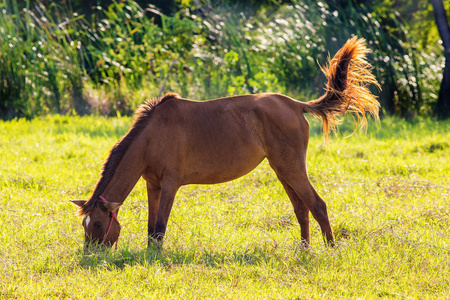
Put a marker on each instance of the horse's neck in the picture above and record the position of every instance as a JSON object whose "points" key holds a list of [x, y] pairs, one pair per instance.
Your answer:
{"points": [[127, 173]]}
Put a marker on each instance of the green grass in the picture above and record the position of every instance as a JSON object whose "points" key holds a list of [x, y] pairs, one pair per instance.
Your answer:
{"points": [[387, 194]]}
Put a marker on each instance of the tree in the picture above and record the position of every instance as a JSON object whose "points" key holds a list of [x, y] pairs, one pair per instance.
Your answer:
{"points": [[443, 105]]}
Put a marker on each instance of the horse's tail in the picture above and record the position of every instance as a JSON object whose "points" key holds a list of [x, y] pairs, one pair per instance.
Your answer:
{"points": [[349, 75]]}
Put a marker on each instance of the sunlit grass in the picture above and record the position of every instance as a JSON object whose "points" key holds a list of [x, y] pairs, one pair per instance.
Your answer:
{"points": [[387, 194]]}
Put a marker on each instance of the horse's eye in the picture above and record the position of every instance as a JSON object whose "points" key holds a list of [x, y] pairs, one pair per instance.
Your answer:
{"points": [[98, 224]]}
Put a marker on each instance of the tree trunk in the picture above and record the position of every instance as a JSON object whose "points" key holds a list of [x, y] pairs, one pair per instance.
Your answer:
{"points": [[443, 105]]}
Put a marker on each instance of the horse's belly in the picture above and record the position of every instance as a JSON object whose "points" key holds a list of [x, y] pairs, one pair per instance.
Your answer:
{"points": [[223, 166]]}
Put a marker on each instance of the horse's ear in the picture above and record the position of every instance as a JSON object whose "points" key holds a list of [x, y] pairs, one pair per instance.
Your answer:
{"points": [[112, 206], [79, 203]]}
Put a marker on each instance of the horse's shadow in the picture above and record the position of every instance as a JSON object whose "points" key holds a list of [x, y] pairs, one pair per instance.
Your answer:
{"points": [[156, 255]]}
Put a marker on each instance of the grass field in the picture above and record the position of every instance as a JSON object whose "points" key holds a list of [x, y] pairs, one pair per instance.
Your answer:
{"points": [[388, 195]]}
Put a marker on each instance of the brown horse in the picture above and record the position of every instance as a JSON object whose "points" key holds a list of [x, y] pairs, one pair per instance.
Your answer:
{"points": [[174, 142]]}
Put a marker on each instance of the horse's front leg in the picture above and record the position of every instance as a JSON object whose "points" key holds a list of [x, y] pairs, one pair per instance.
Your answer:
{"points": [[154, 193], [168, 192]]}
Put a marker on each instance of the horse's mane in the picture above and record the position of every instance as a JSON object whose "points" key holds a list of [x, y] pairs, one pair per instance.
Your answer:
{"points": [[141, 117]]}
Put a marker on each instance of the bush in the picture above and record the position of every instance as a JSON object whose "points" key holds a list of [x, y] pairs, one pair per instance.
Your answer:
{"points": [[40, 61], [56, 61]]}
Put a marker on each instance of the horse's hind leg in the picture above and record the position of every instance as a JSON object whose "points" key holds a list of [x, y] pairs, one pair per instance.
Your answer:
{"points": [[300, 209], [154, 193], [317, 207], [293, 171], [305, 191]]}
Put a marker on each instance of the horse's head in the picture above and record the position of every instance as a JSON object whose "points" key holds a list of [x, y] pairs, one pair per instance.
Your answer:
{"points": [[101, 226]]}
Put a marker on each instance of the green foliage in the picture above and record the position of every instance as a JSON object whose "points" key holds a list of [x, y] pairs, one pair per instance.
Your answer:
{"points": [[387, 193], [125, 47], [40, 61], [113, 58]]}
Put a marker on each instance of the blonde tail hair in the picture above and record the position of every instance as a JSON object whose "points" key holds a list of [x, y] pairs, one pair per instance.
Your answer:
{"points": [[349, 75]]}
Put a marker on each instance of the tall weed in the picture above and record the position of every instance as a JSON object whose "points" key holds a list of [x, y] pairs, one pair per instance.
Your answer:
{"points": [[40, 65], [55, 61]]}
